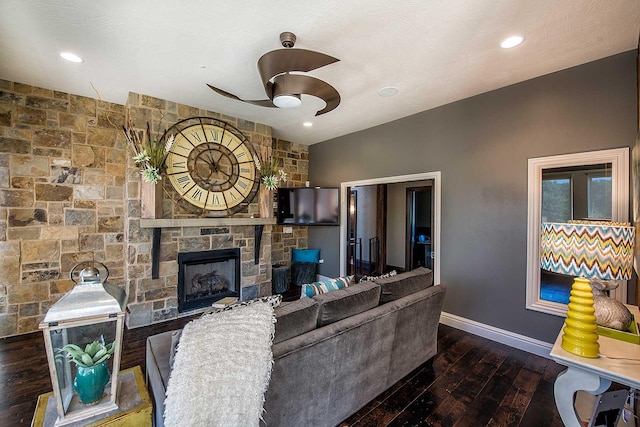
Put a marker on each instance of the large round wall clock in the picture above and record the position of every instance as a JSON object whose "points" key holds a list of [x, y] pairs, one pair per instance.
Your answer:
{"points": [[211, 164]]}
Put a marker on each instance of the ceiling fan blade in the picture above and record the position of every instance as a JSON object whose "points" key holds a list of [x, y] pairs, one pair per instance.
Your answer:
{"points": [[258, 102], [299, 84], [284, 60]]}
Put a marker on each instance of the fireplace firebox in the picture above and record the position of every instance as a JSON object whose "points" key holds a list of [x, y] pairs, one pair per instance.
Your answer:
{"points": [[205, 277]]}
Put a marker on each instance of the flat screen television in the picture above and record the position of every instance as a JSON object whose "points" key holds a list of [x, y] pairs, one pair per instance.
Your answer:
{"points": [[309, 206]]}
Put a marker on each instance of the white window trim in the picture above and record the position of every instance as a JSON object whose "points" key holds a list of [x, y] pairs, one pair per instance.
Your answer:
{"points": [[619, 159]]}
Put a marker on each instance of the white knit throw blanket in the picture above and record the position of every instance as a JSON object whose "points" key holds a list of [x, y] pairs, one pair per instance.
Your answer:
{"points": [[222, 369]]}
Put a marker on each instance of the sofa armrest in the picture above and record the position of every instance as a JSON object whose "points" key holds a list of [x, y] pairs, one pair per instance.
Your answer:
{"points": [[157, 372]]}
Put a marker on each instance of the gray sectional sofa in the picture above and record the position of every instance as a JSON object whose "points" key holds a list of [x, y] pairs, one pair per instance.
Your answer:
{"points": [[335, 352]]}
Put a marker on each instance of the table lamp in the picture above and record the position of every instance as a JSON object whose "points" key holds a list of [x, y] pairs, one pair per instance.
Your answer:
{"points": [[587, 250]]}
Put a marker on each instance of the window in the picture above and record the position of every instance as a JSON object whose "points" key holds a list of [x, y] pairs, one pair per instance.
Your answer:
{"points": [[599, 195], [557, 199], [592, 185]]}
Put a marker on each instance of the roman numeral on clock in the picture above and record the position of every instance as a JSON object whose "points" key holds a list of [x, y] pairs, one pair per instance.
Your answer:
{"points": [[183, 180]]}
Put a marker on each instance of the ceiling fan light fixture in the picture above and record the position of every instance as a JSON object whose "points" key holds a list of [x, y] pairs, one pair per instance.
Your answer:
{"points": [[287, 100]]}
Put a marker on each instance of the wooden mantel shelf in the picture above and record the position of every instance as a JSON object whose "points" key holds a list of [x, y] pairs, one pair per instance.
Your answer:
{"points": [[204, 222]]}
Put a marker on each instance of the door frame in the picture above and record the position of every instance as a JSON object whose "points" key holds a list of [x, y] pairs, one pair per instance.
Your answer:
{"points": [[437, 206]]}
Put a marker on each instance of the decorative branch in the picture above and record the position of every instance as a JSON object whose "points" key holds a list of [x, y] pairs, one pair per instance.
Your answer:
{"points": [[267, 165]]}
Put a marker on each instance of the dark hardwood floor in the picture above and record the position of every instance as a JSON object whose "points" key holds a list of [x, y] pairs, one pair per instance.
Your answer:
{"points": [[470, 382]]}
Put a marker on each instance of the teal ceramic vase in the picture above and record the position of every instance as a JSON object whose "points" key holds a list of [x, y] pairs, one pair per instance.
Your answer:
{"points": [[91, 381]]}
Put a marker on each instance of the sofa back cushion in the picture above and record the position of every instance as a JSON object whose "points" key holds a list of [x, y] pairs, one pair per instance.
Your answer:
{"points": [[404, 284], [347, 302], [295, 318]]}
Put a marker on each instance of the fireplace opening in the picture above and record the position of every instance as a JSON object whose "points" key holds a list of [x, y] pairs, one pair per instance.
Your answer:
{"points": [[205, 277]]}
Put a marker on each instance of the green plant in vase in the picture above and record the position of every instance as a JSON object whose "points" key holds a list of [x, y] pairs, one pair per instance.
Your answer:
{"points": [[270, 176], [92, 374], [149, 155]]}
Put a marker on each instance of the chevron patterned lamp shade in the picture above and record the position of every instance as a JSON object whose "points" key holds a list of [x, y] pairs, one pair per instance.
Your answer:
{"points": [[586, 249]]}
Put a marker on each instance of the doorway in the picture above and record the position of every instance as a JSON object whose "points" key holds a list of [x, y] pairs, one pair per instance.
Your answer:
{"points": [[392, 247], [366, 227]]}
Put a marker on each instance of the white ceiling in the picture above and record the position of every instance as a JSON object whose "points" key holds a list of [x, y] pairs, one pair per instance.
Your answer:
{"points": [[434, 51]]}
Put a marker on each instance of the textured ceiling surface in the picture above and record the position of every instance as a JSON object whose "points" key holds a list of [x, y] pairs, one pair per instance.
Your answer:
{"points": [[434, 51]]}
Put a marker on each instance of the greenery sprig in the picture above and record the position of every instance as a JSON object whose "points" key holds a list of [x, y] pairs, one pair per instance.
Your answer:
{"points": [[271, 174], [148, 154]]}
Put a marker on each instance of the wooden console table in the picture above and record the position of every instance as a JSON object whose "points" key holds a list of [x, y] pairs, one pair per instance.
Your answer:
{"points": [[619, 362]]}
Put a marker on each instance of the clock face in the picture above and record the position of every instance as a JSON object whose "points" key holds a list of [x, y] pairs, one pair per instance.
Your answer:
{"points": [[211, 164]]}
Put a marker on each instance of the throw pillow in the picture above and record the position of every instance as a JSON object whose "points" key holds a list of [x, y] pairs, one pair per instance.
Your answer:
{"points": [[305, 255], [374, 278], [323, 286]]}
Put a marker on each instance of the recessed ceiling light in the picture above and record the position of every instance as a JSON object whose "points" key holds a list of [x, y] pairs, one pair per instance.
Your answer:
{"points": [[388, 91], [71, 57], [510, 42], [307, 124]]}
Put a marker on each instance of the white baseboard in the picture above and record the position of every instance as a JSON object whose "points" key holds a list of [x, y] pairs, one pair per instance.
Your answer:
{"points": [[511, 339]]}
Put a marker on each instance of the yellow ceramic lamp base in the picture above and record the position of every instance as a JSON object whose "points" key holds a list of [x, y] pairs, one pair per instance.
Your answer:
{"points": [[580, 335]]}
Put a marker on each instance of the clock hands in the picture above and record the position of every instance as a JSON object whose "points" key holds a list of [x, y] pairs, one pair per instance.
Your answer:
{"points": [[212, 161]]}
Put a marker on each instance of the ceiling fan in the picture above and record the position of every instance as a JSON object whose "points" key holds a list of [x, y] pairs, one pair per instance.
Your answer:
{"points": [[283, 88]]}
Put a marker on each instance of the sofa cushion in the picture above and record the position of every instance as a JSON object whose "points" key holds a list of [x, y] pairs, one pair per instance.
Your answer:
{"points": [[295, 318], [324, 286], [347, 302], [404, 284]]}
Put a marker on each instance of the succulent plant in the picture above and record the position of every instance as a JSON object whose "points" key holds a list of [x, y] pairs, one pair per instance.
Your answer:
{"points": [[93, 354]]}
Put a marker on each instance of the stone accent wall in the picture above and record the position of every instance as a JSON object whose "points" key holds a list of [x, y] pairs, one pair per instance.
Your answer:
{"points": [[294, 159], [154, 300], [69, 192], [62, 198]]}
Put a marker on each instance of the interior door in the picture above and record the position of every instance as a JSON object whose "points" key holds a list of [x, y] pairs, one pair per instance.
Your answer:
{"points": [[419, 229]]}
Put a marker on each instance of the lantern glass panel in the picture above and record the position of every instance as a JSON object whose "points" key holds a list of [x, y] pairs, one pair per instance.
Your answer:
{"points": [[66, 369], [63, 367]]}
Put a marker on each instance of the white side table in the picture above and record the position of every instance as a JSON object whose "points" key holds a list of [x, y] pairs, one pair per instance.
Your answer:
{"points": [[619, 362]]}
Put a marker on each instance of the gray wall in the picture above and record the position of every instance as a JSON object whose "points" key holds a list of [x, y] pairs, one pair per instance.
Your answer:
{"points": [[481, 146]]}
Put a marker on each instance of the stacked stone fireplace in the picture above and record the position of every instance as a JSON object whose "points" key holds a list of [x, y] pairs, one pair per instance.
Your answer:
{"points": [[69, 192], [205, 277]]}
